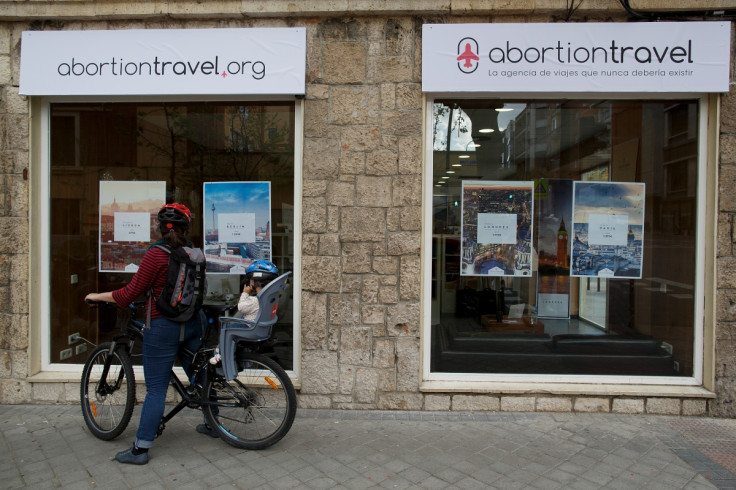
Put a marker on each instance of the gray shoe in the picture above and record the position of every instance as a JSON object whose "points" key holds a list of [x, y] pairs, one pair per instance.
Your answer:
{"points": [[127, 457], [206, 430]]}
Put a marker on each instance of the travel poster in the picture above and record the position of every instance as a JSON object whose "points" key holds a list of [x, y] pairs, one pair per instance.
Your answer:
{"points": [[237, 225], [128, 223], [553, 212], [608, 231], [496, 228]]}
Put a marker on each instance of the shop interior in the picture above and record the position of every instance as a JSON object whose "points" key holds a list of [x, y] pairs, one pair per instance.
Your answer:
{"points": [[553, 302], [178, 147]]}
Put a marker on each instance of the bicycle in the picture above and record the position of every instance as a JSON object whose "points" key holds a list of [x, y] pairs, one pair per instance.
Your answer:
{"points": [[250, 401]]}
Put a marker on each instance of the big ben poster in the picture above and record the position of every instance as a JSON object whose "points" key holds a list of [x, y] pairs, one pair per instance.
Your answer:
{"points": [[553, 199]]}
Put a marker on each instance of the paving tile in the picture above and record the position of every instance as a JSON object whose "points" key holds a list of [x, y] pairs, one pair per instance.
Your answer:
{"points": [[51, 447], [399, 483], [469, 483], [547, 484], [598, 478], [359, 483]]}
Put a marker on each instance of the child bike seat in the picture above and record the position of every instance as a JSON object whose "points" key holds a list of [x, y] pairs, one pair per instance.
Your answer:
{"points": [[234, 329]]}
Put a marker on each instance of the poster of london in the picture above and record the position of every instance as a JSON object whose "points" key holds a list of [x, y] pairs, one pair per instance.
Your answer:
{"points": [[608, 231], [497, 228], [128, 223]]}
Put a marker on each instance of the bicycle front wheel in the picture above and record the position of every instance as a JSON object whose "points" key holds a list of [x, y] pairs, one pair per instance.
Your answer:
{"points": [[254, 410], [107, 403]]}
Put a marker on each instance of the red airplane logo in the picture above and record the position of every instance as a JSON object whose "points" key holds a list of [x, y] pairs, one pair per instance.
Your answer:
{"points": [[468, 56]]}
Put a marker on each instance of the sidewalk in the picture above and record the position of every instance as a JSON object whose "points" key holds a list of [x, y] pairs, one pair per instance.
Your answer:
{"points": [[49, 446]]}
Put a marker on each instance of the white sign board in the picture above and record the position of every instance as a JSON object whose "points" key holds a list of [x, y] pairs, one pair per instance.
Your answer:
{"points": [[132, 227], [496, 228], [164, 62], [237, 227], [608, 229], [553, 305], [589, 57]]}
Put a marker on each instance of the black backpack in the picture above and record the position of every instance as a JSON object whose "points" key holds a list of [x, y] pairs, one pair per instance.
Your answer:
{"points": [[186, 284]]}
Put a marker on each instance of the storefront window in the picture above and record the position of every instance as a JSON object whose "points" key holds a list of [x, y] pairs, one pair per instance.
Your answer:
{"points": [[597, 274], [181, 146]]}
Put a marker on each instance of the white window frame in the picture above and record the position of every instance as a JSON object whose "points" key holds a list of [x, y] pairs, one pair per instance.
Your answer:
{"points": [[42, 303], [477, 381]]}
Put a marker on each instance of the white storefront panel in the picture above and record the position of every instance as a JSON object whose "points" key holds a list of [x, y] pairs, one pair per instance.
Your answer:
{"points": [[266, 61], [591, 57]]}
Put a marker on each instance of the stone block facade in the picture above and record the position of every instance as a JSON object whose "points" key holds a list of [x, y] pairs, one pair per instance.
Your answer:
{"points": [[362, 201], [725, 328]]}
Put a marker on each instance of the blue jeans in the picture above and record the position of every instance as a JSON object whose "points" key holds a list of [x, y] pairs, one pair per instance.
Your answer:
{"points": [[161, 345]]}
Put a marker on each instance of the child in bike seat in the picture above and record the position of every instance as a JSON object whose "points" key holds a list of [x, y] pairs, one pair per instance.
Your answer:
{"points": [[258, 274]]}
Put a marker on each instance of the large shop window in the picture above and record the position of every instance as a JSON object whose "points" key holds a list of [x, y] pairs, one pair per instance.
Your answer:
{"points": [[102, 152], [564, 237]]}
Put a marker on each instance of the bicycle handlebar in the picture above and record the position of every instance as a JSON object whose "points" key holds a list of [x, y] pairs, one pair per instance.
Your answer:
{"points": [[94, 304]]}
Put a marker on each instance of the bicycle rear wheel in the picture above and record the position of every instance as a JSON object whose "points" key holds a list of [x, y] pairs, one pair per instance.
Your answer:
{"points": [[254, 410], [107, 404]]}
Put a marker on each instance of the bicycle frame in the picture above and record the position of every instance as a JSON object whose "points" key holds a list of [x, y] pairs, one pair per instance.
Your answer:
{"points": [[189, 398], [236, 410]]}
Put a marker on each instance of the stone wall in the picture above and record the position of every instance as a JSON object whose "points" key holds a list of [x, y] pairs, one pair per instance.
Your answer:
{"points": [[14, 224], [725, 329], [362, 210], [362, 214]]}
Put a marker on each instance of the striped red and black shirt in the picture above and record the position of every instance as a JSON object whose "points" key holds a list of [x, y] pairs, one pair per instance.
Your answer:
{"points": [[151, 273]]}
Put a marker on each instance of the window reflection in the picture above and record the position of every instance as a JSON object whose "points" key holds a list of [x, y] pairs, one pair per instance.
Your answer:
{"points": [[552, 323], [183, 144]]}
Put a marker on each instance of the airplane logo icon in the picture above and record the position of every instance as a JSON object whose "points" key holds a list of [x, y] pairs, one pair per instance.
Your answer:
{"points": [[467, 57]]}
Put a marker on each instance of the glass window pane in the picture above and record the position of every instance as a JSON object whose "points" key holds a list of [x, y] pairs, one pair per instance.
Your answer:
{"points": [[555, 322], [183, 144]]}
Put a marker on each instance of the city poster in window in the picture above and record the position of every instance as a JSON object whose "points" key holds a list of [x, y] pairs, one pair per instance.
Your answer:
{"points": [[497, 228], [128, 211], [237, 225], [608, 230], [553, 211]]}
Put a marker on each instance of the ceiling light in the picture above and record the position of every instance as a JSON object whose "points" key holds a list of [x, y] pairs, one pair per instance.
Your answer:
{"points": [[457, 164], [504, 109], [485, 130], [464, 156]]}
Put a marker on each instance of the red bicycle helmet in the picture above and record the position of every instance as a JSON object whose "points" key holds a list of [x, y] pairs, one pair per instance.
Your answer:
{"points": [[174, 214]]}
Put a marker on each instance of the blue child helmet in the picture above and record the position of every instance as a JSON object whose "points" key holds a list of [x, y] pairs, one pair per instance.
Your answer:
{"points": [[261, 271]]}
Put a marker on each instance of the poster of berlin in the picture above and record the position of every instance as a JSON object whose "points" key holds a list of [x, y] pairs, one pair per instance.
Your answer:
{"points": [[128, 222], [496, 228], [237, 225], [608, 230]]}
